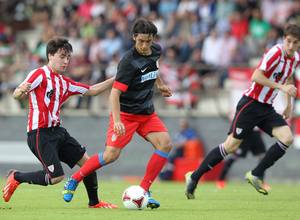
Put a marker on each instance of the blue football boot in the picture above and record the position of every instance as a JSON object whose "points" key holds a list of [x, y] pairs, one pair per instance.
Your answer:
{"points": [[69, 189], [152, 203]]}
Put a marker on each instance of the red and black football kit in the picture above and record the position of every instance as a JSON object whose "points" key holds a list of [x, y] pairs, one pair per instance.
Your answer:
{"points": [[135, 78]]}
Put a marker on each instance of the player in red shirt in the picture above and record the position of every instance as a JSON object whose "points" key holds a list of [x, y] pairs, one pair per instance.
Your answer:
{"points": [[47, 89], [255, 108], [133, 110]]}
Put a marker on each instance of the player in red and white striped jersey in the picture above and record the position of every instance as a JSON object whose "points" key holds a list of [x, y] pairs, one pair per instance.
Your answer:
{"points": [[255, 108], [48, 89], [277, 67]]}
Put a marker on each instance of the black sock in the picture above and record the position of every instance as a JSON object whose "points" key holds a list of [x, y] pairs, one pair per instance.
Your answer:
{"points": [[39, 178], [228, 163], [275, 152], [215, 156], [91, 185]]}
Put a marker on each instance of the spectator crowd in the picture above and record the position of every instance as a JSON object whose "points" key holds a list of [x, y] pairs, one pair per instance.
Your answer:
{"points": [[201, 39]]}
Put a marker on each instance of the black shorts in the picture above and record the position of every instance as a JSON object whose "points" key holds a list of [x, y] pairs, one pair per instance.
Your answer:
{"points": [[53, 145], [253, 143], [251, 113]]}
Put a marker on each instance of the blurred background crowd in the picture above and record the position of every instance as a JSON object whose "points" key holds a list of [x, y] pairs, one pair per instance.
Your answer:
{"points": [[201, 40]]}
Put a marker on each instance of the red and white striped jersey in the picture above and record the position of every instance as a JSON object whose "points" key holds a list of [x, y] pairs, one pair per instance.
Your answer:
{"points": [[277, 67], [49, 90]]}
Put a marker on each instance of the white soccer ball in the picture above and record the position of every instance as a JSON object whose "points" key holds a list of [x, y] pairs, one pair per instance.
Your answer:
{"points": [[135, 197]]}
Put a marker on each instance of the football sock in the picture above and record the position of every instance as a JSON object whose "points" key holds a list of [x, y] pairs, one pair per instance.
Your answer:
{"points": [[228, 163], [93, 163], [215, 156], [275, 152], [39, 177], [155, 165], [91, 186]]}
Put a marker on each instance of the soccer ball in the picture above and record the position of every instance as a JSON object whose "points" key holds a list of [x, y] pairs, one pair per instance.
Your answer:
{"points": [[135, 197]]}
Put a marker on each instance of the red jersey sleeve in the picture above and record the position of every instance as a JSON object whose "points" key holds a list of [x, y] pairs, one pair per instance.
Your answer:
{"points": [[35, 77]]}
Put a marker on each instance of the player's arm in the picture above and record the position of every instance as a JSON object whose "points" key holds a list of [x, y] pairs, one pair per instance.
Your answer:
{"points": [[163, 88], [114, 99], [33, 80], [22, 90], [99, 87], [260, 78], [288, 109], [125, 73]]}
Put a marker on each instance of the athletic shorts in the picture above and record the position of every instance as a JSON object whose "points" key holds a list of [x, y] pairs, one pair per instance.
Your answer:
{"points": [[251, 113], [53, 145], [253, 143], [142, 124]]}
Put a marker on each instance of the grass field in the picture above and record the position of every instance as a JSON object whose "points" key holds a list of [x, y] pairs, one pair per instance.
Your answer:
{"points": [[237, 201]]}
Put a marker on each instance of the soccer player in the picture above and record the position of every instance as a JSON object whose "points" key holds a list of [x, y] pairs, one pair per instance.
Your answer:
{"points": [[252, 143], [274, 73], [48, 89], [133, 110]]}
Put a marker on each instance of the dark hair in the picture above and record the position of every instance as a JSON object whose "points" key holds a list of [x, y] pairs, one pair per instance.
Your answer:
{"points": [[144, 26], [57, 43], [293, 30]]}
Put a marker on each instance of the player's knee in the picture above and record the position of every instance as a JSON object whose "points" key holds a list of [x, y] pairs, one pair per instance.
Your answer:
{"points": [[287, 139], [56, 180], [110, 156], [165, 146], [231, 146]]}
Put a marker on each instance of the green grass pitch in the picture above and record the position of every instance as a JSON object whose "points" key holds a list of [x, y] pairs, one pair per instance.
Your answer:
{"points": [[237, 201]]}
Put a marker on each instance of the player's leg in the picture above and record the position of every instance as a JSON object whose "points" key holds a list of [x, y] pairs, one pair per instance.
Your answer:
{"points": [[214, 157], [258, 149], [72, 152], [111, 153], [46, 152], [276, 126], [241, 152], [91, 185], [162, 144], [276, 151], [241, 126], [95, 162], [221, 182], [154, 130]]}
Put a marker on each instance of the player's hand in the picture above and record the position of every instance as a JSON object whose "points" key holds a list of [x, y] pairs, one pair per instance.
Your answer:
{"points": [[24, 88], [287, 113], [119, 128], [289, 89], [165, 90]]}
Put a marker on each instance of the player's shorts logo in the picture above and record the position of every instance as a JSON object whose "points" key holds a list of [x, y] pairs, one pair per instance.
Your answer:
{"points": [[238, 130], [113, 137], [51, 168]]}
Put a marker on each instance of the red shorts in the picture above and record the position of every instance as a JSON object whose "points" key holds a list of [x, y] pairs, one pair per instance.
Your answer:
{"points": [[142, 124]]}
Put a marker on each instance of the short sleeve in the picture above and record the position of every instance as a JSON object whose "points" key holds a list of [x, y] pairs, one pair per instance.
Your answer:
{"points": [[125, 73], [76, 88], [35, 78], [269, 59]]}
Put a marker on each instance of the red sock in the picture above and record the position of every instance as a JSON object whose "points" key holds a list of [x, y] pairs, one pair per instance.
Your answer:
{"points": [[88, 167], [155, 164]]}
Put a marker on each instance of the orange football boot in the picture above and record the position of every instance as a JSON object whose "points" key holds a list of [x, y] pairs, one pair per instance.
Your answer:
{"points": [[104, 205], [10, 186]]}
